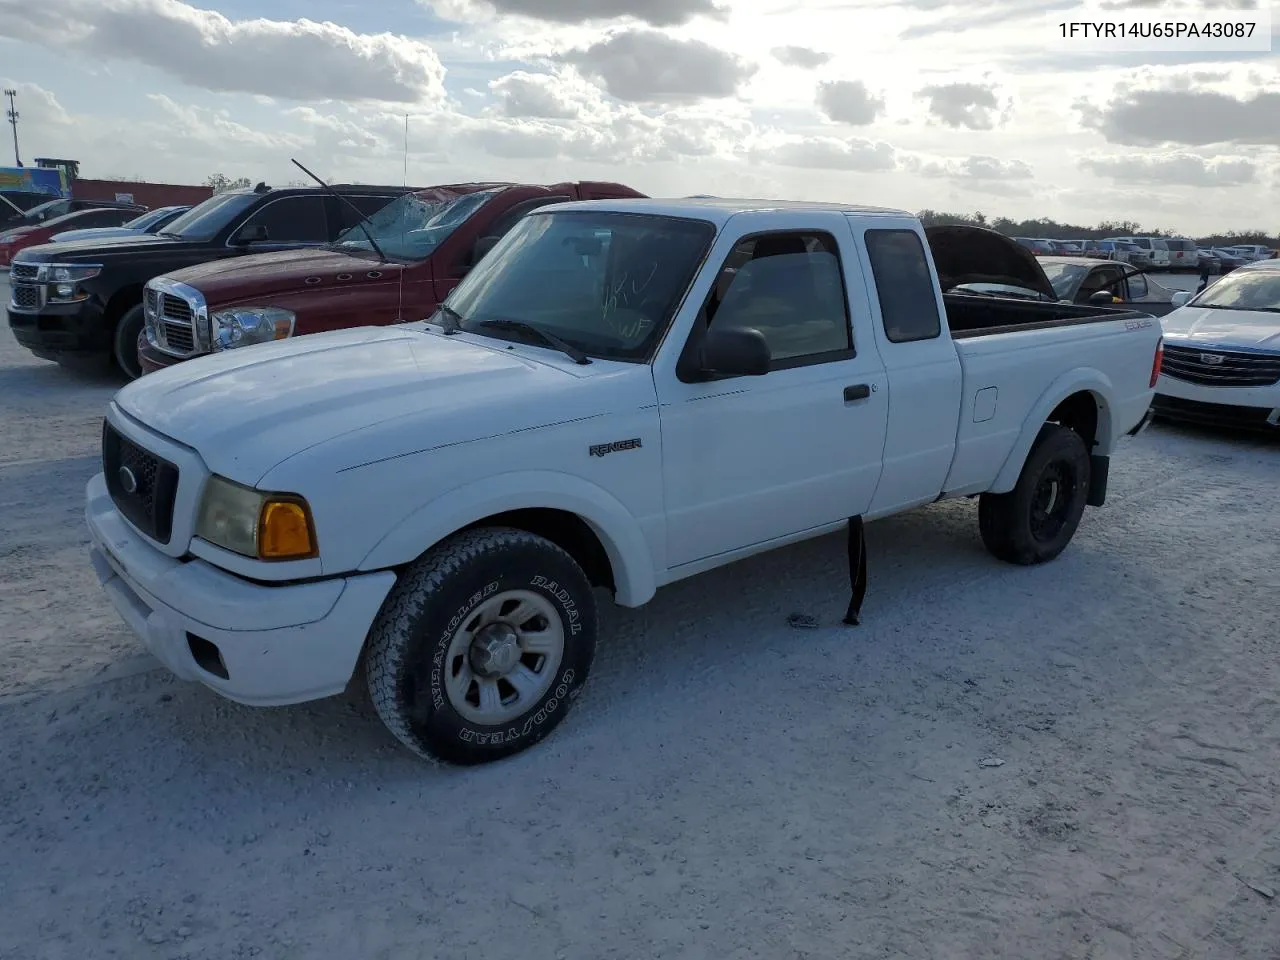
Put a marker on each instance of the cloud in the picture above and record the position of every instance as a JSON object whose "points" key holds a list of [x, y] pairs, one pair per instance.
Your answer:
{"points": [[656, 13], [804, 57], [293, 59], [849, 101], [969, 168], [522, 94], [970, 105], [644, 66], [829, 153], [1185, 117], [1181, 169]]}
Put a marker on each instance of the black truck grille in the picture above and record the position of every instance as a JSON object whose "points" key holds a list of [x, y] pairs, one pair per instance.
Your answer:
{"points": [[23, 271], [24, 296], [142, 485], [1210, 367]]}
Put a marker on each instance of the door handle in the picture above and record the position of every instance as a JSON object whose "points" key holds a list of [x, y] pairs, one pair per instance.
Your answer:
{"points": [[859, 391]]}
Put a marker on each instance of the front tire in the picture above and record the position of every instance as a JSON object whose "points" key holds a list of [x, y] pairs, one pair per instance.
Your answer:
{"points": [[1035, 521], [482, 646], [125, 344]]}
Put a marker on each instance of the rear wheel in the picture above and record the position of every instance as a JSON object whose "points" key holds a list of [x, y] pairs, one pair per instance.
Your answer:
{"points": [[125, 345], [482, 646], [1035, 521]]}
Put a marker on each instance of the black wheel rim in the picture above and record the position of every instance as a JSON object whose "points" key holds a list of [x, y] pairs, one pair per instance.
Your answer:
{"points": [[1051, 502]]}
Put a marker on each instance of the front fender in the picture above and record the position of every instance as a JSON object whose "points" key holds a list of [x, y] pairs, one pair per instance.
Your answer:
{"points": [[1081, 379], [619, 532]]}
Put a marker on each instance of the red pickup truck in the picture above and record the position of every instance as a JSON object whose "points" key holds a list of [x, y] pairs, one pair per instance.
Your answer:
{"points": [[422, 245]]}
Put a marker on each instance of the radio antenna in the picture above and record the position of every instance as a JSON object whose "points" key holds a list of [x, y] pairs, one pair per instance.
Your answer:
{"points": [[400, 318]]}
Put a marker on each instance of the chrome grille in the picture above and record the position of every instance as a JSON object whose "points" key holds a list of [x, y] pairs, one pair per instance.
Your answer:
{"points": [[1211, 367], [170, 323], [23, 271]]}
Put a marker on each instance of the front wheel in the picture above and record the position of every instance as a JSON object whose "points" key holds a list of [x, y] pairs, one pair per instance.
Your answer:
{"points": [[125, 346], [1035, 521], [482, 646]]}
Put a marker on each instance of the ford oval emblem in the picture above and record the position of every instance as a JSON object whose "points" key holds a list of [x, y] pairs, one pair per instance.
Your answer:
{"points": [[128, 482]]}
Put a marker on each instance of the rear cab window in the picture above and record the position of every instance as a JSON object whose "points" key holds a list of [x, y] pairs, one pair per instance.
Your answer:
{"points": [[904, 285]]}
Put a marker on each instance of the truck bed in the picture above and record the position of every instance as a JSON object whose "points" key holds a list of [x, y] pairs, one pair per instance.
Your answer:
{"points": [[972, 316]]}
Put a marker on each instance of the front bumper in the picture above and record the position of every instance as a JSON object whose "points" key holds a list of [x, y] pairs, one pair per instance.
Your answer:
{"points": [[1249, 408], [62, 329], [254, 644]]}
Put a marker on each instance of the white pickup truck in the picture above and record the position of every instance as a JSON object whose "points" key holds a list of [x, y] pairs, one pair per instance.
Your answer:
{"points": [[620, 395]]}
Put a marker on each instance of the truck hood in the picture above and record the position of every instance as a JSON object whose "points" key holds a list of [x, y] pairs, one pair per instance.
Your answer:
{"points": [[968, 254], [95, 233], [281, 271], [112, 248], [1245, 329], [248, 410]]}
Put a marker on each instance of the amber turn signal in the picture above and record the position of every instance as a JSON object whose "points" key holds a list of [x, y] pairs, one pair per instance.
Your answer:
{"points": [[285, 531]]}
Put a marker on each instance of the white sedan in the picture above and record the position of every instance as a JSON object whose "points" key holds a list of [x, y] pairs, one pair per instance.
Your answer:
{"points": [[1222, 352]]}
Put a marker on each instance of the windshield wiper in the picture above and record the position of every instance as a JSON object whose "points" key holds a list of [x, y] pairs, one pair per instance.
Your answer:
{"points": [[550, 339], [359, 223]]}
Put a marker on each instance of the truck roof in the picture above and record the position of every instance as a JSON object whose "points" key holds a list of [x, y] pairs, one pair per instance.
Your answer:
{"points": [[719, 210]]}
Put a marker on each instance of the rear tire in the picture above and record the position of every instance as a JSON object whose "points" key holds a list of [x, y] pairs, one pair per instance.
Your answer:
{"points": [[125, 343], [482, 646], [1035, 521]]}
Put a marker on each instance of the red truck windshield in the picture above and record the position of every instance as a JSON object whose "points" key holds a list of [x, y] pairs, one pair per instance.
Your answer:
{"points": [[411, 227]]}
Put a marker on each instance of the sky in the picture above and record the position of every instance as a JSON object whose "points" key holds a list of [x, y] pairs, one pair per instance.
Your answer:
{"points": [[973, 105]]}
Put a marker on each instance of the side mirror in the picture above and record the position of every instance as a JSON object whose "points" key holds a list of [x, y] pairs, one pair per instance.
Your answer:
{"points": [[736, 352], [1101, 297], [1180, 298], [252, 233]]}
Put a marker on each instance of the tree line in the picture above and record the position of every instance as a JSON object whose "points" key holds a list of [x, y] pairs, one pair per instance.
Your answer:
{"points": [[1053, 230]]}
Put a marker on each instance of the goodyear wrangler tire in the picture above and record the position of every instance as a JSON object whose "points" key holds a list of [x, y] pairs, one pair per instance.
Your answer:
{"points": [[482, 646], [1035, 521]]}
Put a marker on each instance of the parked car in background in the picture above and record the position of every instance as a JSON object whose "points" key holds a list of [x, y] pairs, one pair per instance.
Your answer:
{"points": [[1252, 251], [1207, 259], [1222, 352], [82, 302], [422, 246], [1229, 259], [1068, 248], [153, 221], [52, 209], [1082, 280], [1183, 254], [1038, 247], [1155, 248], [20, 238], [1116, 250], [620, 395]]}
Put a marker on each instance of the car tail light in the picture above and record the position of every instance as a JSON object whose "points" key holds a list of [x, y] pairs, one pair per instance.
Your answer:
{"points": [[1157, 363]]}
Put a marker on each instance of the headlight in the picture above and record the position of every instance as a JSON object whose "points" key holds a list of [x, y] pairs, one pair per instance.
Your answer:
{"points": [[242, 326], [265, 526], [67, 272]]}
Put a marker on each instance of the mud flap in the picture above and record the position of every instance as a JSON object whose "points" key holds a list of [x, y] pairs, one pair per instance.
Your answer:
{"points": [[857, 571]]}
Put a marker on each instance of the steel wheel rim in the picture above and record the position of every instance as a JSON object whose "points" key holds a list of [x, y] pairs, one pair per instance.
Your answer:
{"points": [[1051, 502], [504, 658]]}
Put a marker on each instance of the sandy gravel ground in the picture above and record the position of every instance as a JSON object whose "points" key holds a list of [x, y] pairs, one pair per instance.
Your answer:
{"points": [[727, 788]]}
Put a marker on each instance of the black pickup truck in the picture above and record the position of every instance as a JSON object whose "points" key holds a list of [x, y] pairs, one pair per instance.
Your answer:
{"points": [[82, 301]]}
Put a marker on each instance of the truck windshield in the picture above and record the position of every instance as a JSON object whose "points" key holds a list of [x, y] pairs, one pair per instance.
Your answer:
{"points": [[411, 227], [205, 220], [1244, 290], [606, 282], [1065, 277], [42, 212]]}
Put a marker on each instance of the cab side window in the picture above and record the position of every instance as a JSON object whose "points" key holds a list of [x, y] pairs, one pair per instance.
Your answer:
{"points": [[790, 287], [299, 219], [904, 284]]}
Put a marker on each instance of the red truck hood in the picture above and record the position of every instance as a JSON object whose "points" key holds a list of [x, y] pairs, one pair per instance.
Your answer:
{"points": [[236, 279]]}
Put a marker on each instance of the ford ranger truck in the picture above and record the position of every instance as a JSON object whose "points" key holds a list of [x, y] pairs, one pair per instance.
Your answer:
{"points": [[80, 303], [620, 395], [422, 245]]}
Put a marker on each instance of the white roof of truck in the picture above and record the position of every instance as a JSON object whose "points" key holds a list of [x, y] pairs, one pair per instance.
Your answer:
{"points": [[719, 209]]}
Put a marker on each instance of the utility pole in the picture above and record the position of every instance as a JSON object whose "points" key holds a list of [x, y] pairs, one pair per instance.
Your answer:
{"points": [[12, 114]]}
